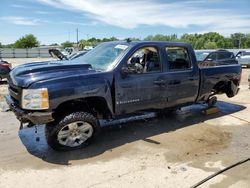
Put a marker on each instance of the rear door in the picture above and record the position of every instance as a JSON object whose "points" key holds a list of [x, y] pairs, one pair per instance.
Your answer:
{"points": [[183, 75]]}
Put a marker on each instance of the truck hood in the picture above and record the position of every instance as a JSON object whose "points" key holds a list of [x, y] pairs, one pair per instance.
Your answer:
{"points": [[27, 74]]}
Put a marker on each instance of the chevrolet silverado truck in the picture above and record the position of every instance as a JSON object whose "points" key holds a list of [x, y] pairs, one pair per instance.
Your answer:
{"points": [[113, 80]]}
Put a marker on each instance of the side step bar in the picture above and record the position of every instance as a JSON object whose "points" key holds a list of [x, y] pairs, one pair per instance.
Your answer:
{"points": [[138, 117]]}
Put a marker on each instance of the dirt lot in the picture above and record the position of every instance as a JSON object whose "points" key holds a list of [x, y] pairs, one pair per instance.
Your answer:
{"points": [[176, 151]]}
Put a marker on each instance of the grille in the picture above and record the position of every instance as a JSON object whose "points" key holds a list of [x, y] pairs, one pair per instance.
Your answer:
{"points": [[15, 93]]}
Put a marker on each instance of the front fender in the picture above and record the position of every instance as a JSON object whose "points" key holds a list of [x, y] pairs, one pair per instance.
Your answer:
{"points": [[61, 92]]}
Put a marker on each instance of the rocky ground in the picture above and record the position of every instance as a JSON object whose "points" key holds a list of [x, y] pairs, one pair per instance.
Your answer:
{"points": [[176, 151]]}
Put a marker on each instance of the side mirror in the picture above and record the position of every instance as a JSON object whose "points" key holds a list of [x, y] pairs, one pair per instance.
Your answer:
{"points": [[209, 59], [125, 71]]}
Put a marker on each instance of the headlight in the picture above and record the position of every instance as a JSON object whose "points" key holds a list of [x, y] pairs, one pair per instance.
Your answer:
{"points": [[35, 99]]}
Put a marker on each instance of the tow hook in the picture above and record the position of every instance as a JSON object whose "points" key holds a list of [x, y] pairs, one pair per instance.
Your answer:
{"points": [[25, 125]]}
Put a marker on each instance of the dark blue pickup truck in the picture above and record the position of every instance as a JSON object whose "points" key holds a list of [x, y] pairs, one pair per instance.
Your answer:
{"points": [[110, 81]]}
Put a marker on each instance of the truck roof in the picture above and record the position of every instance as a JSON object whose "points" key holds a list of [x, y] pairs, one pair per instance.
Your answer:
{"points": [[149, 43]]}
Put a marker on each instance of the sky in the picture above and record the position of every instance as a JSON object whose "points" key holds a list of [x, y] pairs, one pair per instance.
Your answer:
{"points": [[56, 21]]}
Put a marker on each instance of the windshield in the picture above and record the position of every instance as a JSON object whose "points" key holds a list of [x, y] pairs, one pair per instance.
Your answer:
{"points": [[200, 56], [104, 56]]}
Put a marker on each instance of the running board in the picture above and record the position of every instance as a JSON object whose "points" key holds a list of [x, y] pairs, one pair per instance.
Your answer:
{"points": [[143, 116]]}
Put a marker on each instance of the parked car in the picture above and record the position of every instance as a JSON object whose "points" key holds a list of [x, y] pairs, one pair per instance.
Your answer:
{"points": [[243, 58], [113, 80], [218, 57], [61, 56], [5, 69]]}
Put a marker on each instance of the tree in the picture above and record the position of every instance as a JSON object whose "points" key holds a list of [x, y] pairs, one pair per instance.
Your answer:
{"points": [[210, 45], [27, 41], [67, 44], [189, 38], [84, 43], [1, 45]]}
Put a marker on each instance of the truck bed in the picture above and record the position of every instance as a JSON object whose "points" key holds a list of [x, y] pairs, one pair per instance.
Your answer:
{"points": [[212, 76]]}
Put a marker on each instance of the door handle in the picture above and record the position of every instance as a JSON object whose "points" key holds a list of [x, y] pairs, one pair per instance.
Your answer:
{"points": [[192, 78], [159, 82], [126, 86]]}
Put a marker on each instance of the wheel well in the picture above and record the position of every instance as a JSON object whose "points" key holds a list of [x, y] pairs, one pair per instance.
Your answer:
{"points": [[220, 87], [224, 87], [94, 105]]}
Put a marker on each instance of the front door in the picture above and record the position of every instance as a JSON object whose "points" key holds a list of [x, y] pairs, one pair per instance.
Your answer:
{"points": [[144, 85]]}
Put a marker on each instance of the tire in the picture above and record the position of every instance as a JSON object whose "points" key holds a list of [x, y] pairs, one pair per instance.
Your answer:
{"points": [[73, 131]]}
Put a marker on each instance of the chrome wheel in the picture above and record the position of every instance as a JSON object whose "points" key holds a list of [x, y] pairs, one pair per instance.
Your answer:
{"points": [[75, 134]]}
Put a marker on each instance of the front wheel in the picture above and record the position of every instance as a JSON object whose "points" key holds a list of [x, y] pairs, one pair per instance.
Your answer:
{"points": [[73, 131]]}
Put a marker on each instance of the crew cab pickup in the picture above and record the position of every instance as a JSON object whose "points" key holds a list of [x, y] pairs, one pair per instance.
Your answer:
{"points": [[113, 80]]}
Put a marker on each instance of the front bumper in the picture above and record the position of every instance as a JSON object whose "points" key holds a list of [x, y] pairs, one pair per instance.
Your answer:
{"points": [[27, 116]]}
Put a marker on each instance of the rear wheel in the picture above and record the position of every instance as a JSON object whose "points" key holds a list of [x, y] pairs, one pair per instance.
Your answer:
{"points": [[74, 131]]}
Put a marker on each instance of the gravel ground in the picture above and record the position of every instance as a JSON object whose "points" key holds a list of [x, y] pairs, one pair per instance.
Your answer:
{"points": [[176, 151]]}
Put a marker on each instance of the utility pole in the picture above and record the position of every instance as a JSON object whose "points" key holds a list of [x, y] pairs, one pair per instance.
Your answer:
{"points": [[77, 42], [240, 43]]}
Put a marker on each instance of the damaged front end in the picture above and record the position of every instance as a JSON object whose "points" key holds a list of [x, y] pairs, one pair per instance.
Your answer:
{"points": [[28, 118]]}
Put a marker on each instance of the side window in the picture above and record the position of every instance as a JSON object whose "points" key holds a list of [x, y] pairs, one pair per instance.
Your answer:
{"points": [[211, 57], [224, 55], [178, 58], [145, 60]]}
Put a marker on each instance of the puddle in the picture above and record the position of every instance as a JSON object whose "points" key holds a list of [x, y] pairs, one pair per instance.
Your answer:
{"points": [[196, 142]]}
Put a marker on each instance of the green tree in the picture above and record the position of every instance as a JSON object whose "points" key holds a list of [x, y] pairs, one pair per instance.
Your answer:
{"points": [[210, 45], [189, 38], [67, 44], [27, 41], [84, 43], [199, 43], [135, 39], [247, 41], [113, 39], [238, 40], [1, 46], [149, 38]]}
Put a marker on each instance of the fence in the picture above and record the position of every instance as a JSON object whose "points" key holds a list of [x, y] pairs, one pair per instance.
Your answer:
{"points": [[24, 53]]}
